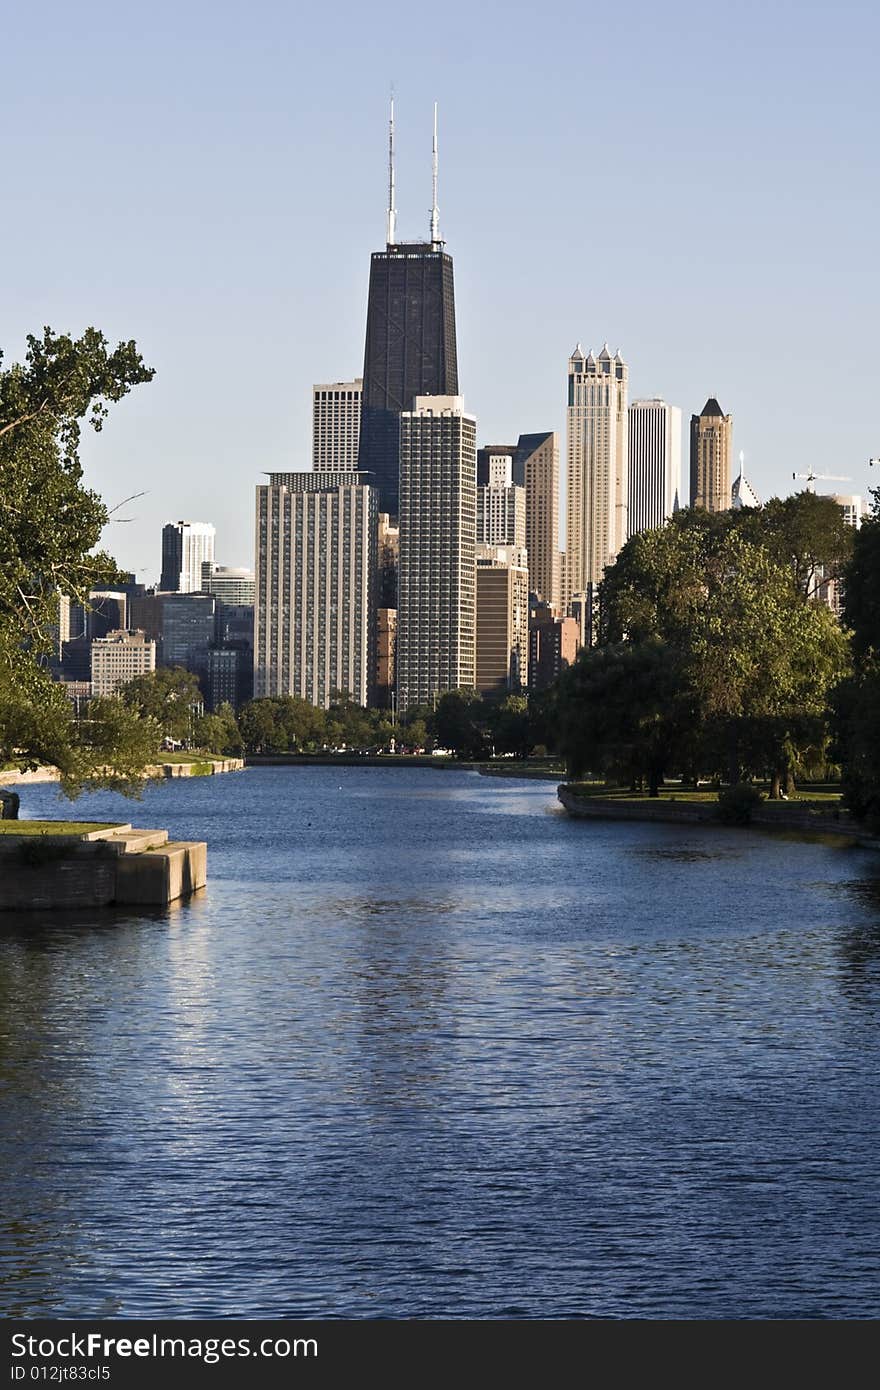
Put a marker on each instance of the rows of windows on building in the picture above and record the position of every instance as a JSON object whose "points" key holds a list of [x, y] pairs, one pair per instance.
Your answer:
{"points": [[204, 622], [463, 586], [410, 562]]}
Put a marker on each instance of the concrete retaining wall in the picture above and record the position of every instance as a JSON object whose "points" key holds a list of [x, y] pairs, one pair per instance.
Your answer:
{"points": [[206, 767], [775, 815], [51, 774], [118, 865]]}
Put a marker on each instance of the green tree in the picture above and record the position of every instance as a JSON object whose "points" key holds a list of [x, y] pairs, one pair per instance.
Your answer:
{"points": [[50, 526], [282, 724], [219, 732], [760, 662], [460, 724], [622, 709], [510, 726], [856, 704], [809, 534], [260, 729], [755, 661], [348, 724], [861, 583], [170, 695], [857, 699], [414, 734]]}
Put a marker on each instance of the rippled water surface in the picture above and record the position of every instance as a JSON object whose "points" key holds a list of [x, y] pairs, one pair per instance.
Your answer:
{"points": [[425, 1047]]}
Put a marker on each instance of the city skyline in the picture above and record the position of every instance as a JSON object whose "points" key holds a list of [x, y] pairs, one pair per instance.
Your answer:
{"points": [[238, 184]]}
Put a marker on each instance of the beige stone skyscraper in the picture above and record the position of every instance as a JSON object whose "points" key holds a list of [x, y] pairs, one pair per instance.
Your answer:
{"points": [[711, 458], [502, 618], [596, 514], [314, 621]]}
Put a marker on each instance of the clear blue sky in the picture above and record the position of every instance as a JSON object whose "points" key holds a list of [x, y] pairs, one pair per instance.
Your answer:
{"points": [[696, 184]]}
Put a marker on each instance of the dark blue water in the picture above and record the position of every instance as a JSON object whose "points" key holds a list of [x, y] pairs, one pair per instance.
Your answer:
{"points": [[425, 1047]]}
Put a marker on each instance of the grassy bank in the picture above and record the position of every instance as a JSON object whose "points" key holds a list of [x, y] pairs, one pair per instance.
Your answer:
{"points": [[815, 809], [50, 827], [823, 795]]}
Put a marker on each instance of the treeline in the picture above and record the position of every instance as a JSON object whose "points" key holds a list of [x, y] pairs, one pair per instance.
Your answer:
{"points": [[719, 657], [169, 700], [716, 656], [461, 723], [856, 701]]}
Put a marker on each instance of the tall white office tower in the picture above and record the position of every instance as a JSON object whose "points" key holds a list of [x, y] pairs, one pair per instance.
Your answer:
{"points": [[654, 451], [229, 583], [436, 609], [501, 506], [314, 620], [336, 426], [596, 513], [186, 545]]}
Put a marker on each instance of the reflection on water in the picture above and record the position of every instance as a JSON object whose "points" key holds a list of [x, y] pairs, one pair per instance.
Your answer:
{"points": [[425, 1048], [690, 855]]}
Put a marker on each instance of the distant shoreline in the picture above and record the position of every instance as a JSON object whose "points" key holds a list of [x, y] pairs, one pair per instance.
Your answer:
{"points": [[801, 817], [508, 767], [196, 767]]}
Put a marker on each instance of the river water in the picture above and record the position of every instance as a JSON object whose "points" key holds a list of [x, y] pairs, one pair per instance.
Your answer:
{"points": [[425, 1047]]}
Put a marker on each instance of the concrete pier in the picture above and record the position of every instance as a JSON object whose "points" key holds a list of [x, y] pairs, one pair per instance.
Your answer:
{"points": [[97, 868]]}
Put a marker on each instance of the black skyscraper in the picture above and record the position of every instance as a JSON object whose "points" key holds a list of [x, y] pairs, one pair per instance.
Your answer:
{"points": [[410, 351]]}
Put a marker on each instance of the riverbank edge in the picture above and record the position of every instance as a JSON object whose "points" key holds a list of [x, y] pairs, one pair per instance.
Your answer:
{"points": [[110, 865], [506, 768], [200, 767], [778, 816]]}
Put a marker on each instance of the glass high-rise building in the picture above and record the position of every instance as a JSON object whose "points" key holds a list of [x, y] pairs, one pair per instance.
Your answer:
{"points": [[410, 351], [185, 546], [410, 346]]}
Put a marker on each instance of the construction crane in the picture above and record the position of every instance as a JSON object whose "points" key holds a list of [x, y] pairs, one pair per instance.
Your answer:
{"points": [[811, 477]]}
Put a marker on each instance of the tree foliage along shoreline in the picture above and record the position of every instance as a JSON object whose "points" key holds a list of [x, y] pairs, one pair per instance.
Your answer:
{"points": [[856, 701], [50, 525], [714, 657]]}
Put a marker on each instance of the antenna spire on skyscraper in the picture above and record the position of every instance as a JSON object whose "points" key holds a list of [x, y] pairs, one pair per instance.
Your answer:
{"points": [[435, 211], [392, 211]]}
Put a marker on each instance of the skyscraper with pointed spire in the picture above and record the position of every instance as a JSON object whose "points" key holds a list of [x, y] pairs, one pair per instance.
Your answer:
{"points": [[410, 345], [711, 458]]}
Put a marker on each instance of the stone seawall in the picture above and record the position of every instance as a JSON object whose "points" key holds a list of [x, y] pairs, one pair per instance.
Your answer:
{"points": [[769, 815], [207, 767], [200, 767], [602, 808], [113, 865]]}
